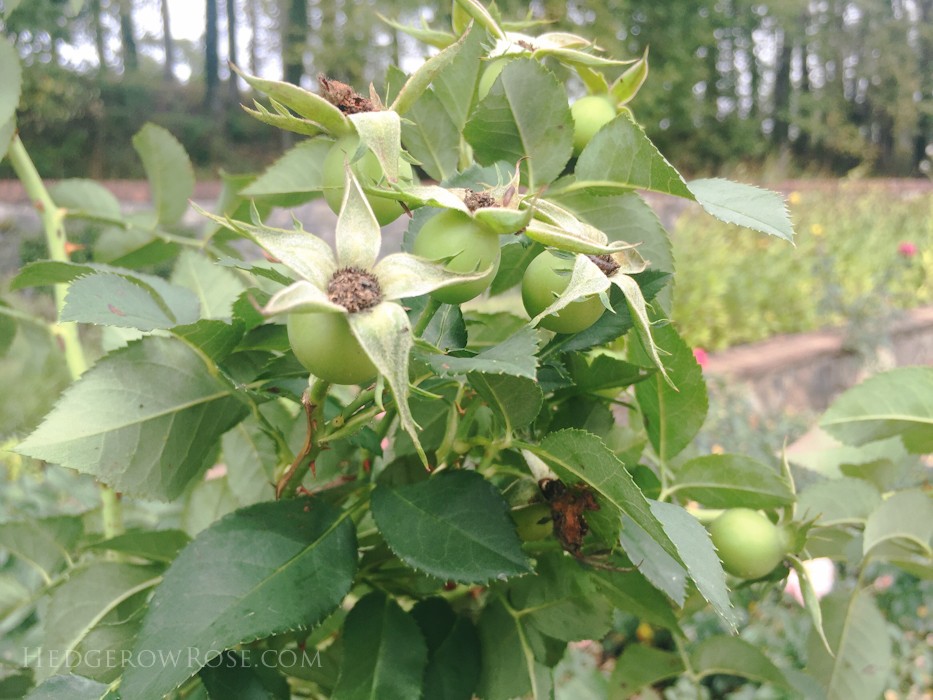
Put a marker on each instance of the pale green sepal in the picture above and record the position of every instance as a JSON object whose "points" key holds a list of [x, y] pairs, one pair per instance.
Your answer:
{"points": [[503, 221], [306, 104], [403, 276], [563, 40], [638, 307], [426, 35], [300, 296], [630, 262], [302, 252], [432, 196], [595, 82], [580, 241], [285, 122], [358, 235], [627, 85], [811, 601], [385, 335], [477, 11], [422, 78], [381, 132], [585, 280], [574, 57]]}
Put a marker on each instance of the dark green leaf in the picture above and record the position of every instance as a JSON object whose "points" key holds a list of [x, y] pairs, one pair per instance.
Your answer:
{"points": [[430, 136], [672, 417], [214, 338], [251, 459], [509, 667], [12, 80], [731, 481], [515, 258], [453, 651], [7, 131], [260, 571], [515, 357], [171, 177], [385, 654], [446, 331], [144, 419], [525, 114], [154, 545], [516, 400], [639, 666], [631, 592], [230, 676], [735, 657], [453, 526], [897, 402], [604, 372]]}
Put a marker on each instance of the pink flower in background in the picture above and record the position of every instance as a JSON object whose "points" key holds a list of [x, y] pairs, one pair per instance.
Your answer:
{"points": [[701, 356], [822, 575], [907, 249]]}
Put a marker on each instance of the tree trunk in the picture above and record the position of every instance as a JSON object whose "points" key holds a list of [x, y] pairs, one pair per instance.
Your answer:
{"points": [[211, 59], [782, 90], [128, 37], [231, 50], [252, 18], [168, 43], [294, 38], [100, 39]]}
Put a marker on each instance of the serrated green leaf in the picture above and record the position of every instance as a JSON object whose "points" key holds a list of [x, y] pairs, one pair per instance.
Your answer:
{"points": [[905, 515], [509, 667], [426, 74], [431, 137], [837, 501], [662, 570], [447, 329], [69, 687], [517, 400], [604, 372], [639, 666], [216, 288], [744, 205], [620, 157], [111, 425], [128, 302], [77, 606], [85, 198], [43, 544], [207, 502], [454, 526], [450, 84], [230, 676], [857, 633], [281, 118], [515, 356], [514, 260], [631, 592], [171, 177], [525, 114], [453, 650], [561, 600], [299, 169], [155, 545], [672, 417], [385, 654], [12, 83], [731, 481], [251, 460], [578, 456], [263, 570], [897, 402], [698, 554], [214, 338], [735, 657]]}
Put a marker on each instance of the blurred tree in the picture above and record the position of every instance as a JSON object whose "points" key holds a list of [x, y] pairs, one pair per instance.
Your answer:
{"points": [[128, 37], [167, 43], [231, 50], [211, 58]]}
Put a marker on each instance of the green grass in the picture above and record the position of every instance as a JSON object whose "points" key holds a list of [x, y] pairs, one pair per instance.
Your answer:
{"points": [[735, 286]]}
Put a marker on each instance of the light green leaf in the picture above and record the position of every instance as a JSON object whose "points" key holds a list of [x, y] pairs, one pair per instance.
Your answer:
{"points": [[8, 328], [735, 657], [155, 545], [524, 114], [431, 137], [561, 600], [730, 481], [897, 402], [905, 515], [621, 157], [384, 652], [86, 198], [580, 456], [662, 570], [627, 85], [251, 460], [744, 205], [171, 177], [304, 103], [453, 526], [426, 74], [640, 666], [43, 544], [509, 667], [9, 6], [406, 276], [7, 130], [128, 302], [83, 601], [838, 501], [110, 425], [299, 169], [462, 73], [216, 287], [638, 309], [632, 593], [858, 635], [12, 82], [263, 570], [381, 132], [672, 417], [69, 687], [515, 356], [698, 554], [205, 503], [517, 400]]}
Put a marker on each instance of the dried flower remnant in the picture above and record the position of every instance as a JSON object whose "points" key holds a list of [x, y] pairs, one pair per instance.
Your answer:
{"points": [[568, 505]]}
